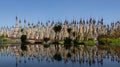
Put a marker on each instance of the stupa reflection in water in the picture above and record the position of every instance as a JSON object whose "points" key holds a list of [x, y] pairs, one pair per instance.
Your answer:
{"points": [[81, 54]]}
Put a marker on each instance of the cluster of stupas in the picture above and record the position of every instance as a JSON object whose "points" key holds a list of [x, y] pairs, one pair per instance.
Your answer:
{"points": [[90, 28]]}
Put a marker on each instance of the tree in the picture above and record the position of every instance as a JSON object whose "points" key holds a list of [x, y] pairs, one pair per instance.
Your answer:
{"points": [[46, 39], [57, 29], [24, 39]]}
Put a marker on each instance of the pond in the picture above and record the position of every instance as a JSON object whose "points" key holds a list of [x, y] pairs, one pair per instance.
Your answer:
{"points": [[59, 56]]}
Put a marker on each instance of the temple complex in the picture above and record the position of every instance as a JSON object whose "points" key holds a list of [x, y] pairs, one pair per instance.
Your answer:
{"points": [[89, 28]]}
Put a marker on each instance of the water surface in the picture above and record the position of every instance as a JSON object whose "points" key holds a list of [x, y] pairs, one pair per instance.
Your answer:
{"points": [[59, 56]]}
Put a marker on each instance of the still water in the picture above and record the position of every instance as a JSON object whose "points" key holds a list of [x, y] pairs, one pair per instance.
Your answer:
{"points": [[59, 56]]}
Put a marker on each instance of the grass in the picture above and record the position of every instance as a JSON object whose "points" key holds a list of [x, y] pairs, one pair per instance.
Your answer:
{"points": [[10, 41]]}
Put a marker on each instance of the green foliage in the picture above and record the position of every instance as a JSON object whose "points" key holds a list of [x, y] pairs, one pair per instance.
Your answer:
{"points": [[91, 39], [24, 40], [89, 43], [57, 28], [1, 38], [80, 42], [67, 40], [46, 39], [115, 41], [9, 41], [61, 42], [109, 41], [104, 41], [5, 40]]}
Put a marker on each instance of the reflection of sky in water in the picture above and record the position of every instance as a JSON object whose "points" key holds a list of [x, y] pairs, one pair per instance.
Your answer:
{"points": [[35, 56]]}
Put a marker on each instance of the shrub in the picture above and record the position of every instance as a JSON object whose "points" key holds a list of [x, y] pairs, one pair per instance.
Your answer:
{"points": [[89, 43], [46, 39], [61, 42], [115, 41], [23, 38], [104, 41], [67, 40], [91, 39]]}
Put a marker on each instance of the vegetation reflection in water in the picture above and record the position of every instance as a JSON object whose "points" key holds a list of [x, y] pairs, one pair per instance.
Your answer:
{"points": [[60, 53]]}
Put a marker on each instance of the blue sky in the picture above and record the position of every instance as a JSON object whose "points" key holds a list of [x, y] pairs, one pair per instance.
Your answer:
{"points": [[58, 10]]}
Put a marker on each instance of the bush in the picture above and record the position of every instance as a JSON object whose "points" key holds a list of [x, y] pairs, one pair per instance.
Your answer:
{"points": [[61, 42], [23, 38], [91, 39], [115, 41], [80, 42], [109, 41], [67, 40], [46, 39], [104, 41], [89, 43]]}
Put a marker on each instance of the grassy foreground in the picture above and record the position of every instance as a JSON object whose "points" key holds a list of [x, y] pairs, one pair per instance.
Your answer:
{"points": [[9, 41]]}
